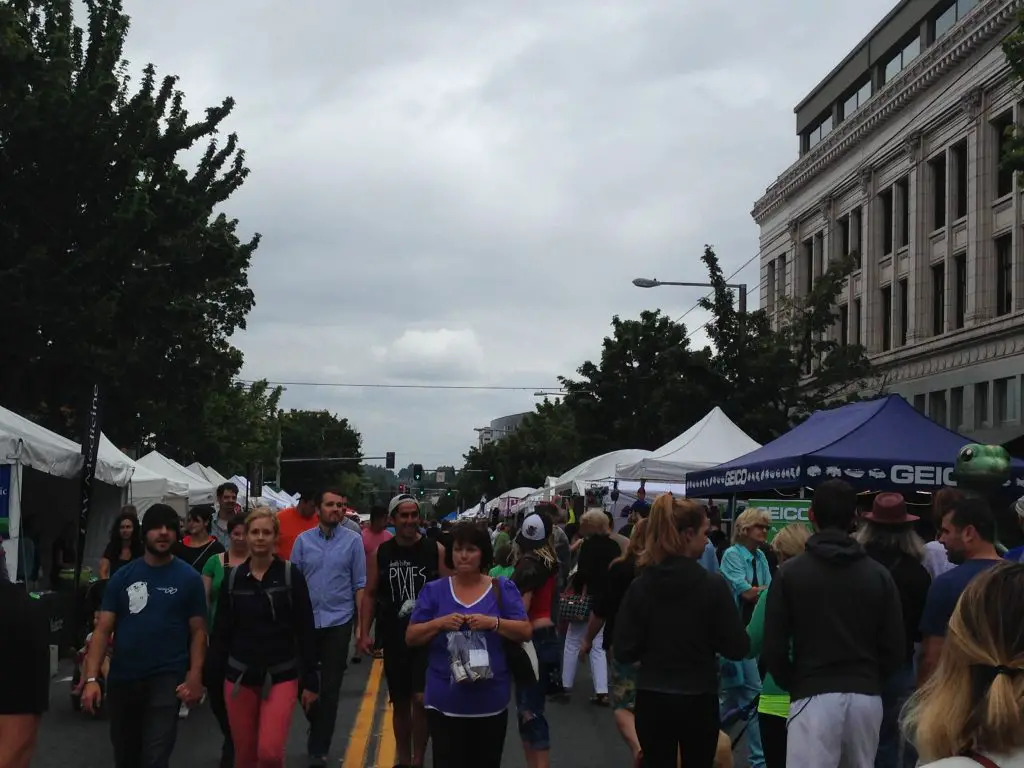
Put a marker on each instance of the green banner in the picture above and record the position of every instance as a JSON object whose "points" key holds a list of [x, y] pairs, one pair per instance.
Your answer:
{"points": [[783, 512]]}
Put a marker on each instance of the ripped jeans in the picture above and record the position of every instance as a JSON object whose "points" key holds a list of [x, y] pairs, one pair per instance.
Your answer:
{"points": [[530, 700]]}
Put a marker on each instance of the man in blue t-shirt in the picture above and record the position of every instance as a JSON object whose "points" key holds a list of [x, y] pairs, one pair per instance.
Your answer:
{"points": [[969, 534], [158, 606]]}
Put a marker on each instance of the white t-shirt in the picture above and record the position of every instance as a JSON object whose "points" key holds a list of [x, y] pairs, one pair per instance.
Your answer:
{"points": [[1013, 760]]}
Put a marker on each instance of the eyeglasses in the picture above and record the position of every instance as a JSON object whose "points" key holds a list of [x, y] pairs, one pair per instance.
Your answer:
{"points": [[762, 527]]}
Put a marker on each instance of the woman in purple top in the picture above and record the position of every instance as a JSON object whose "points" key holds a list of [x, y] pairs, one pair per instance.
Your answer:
{"points": [[468, 719]]}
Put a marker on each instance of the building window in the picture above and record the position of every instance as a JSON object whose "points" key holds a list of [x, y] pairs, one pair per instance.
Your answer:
{"points": [[956, 407], [770, 279], [885, 203], [856, 100], [904, 299], [781, 276], [980, 404], [855, 236], [951, 15], [820, 130], [1004, 275], [844, 324], [857, 335], [937, 407], [1003, 127], [887, 318], [1004, 401], [938, 299], [902, 200], [920, 403], [960, 290], [902, 59], [844, 236], [959, 156], [808, 264], [937, 166]]}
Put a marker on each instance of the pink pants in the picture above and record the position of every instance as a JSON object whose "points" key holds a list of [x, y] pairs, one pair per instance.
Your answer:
{"points": [[259, 727]]}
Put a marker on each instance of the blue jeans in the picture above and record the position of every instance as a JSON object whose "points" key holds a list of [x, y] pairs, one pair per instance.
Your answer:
{"points": [[143, 720], [896, 689], [741, 685], [530, 700]]}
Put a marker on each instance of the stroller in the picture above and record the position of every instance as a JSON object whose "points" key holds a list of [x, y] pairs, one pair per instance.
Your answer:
{"points": [[91, 605]]}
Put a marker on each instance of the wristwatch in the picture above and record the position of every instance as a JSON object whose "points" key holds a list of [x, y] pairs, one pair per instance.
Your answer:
{"points": [[91, 680]]}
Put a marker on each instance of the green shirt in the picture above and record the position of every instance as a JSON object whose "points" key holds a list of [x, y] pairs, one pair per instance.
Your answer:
{"points": [[214, 568], [774, 700], [499, 571]]}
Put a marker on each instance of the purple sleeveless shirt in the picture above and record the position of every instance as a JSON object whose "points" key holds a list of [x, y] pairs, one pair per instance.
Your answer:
{"points": [[487, 697]]}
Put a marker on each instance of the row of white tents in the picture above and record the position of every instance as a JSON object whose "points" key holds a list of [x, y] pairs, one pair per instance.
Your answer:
{"points": [[713, 440], [42, 481]]}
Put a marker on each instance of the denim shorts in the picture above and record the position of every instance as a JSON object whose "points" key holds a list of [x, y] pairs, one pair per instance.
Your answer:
{"points": [[530, 700]]}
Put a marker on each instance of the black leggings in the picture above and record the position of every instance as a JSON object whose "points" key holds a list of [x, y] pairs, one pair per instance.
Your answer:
{"points": [[773, 740], [218, 705], [467, 742], [669, 725]]}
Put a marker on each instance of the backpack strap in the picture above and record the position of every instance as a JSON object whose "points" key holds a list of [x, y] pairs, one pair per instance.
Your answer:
{"points": [[980, 759], [232, 572]]}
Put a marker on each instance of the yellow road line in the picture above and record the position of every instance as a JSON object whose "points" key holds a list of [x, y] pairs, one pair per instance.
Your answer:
{"points": [[388, 747], [359, 738]]}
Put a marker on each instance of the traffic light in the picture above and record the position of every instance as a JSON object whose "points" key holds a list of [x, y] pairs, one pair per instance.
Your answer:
{"points": [[389, 460], [417, 472], [490, 477], [420, 491], [447, 491], [401, 488]]}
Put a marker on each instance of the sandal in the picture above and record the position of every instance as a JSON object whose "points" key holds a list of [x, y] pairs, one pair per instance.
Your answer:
{"points": [[599, 699]]}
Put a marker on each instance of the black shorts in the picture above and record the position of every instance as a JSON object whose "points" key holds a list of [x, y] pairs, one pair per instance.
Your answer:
{"points": [[405, 669]]}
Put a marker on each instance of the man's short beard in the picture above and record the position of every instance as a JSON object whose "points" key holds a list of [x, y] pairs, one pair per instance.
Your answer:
{"points": [[151, 549]]}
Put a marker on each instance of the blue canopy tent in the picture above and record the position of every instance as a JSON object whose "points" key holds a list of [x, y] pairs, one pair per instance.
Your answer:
{"points": [[877, 445]]}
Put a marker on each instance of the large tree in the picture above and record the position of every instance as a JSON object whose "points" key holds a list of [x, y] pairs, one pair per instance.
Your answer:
{"points": [[320, 435], [771, 377], [120, 267], [647, 387], [240, 428]]}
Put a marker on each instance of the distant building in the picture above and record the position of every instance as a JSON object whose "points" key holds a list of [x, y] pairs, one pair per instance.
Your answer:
{"points": [[899, 150], [499, 428]]}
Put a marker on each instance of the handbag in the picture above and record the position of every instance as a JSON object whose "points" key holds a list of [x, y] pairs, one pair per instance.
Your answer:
{"points": [[521, 657], [573, 607]]}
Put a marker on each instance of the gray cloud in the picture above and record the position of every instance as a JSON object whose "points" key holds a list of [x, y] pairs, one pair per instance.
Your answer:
{"points": [[460, 192]]}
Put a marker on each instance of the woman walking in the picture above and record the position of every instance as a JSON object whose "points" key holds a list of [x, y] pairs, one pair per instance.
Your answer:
{"points": [[468, 719], [198, 545], [213, 580], [263, 639], [675, 620], [124, 546]]}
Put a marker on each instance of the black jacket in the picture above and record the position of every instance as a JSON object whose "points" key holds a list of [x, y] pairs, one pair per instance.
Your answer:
{"points": [[675, 618], [912, 582], [840, 610]]}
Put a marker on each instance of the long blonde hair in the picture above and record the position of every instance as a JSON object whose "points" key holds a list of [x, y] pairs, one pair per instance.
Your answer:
{"points": [[975, 698], [669, 518]]}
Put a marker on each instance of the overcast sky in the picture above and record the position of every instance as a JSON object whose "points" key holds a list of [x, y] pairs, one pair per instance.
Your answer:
{"points": [[459, 192]]}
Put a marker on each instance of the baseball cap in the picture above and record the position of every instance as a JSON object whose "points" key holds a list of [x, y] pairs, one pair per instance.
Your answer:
{"points": [[534, 532], [402, 499]]}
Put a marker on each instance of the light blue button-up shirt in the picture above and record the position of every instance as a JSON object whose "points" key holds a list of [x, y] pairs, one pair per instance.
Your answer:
{"points": [[709, 560], [334, 569], [738, 564]]}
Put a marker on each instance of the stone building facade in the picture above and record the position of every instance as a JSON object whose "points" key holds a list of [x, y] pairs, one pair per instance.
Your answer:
{"points": [[899, 163]]}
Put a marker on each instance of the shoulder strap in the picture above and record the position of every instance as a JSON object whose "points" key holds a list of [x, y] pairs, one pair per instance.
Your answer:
{"points": [[232, 572], [980, 759]]}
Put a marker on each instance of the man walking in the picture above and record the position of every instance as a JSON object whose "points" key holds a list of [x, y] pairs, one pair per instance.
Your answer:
{"points": [[158, 606], [227, 507], [332, 561], [838, 612], [396, 573], [294, 521]]}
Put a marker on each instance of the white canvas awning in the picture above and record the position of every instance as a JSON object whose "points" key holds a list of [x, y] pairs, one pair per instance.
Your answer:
{"points": [[713, 440], [601, 467], [200, 490]]}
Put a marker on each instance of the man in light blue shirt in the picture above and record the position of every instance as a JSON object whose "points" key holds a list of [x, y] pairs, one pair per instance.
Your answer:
{"points": [[709, 560], [332, 560]]}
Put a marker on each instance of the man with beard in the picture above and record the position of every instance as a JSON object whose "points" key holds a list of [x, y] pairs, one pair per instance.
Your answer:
{"points": [[227, 507], [332, 560], [158, 606], [396, 573], [969, 535]]}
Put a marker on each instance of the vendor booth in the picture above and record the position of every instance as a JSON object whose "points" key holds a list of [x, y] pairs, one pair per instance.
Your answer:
{"points": [[599, 468], [875, 445], [711, 441]]}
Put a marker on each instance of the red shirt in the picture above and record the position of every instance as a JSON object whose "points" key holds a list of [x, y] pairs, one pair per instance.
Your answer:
{"points": [[542, 601], [291, 524]]}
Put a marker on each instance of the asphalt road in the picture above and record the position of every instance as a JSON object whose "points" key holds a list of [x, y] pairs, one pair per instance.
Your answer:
{"points": [[583, 735]]}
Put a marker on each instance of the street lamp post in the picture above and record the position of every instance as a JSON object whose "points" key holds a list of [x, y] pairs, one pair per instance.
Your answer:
{"points": [[741, 288]]}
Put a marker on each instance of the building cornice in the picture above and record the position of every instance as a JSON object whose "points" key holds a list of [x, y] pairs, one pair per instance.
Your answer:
{"points": [[985, 23]]}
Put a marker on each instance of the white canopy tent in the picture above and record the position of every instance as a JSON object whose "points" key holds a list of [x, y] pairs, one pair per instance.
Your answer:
{"points": [[601, 467], [146, 487], [509, 500], [713, 440], [209, 473], [200, 490]]}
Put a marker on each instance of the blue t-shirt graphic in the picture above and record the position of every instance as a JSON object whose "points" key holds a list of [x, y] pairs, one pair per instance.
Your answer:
{"points": [[153, 606], [944, 593]]}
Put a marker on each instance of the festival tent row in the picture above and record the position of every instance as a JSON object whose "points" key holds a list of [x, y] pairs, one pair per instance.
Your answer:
{"points": [[200, 490], [711, 441], [875, 445], [209, 473], [267, 496]]}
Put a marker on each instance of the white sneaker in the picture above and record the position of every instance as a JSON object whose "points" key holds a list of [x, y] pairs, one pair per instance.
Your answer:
{"points": [[183, 711]]}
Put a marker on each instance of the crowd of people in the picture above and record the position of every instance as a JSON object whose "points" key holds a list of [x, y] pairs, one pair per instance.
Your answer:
{"points": [[856, 645]]}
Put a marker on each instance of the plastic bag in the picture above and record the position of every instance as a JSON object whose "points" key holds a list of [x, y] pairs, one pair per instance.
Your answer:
{"points": [[468, 657]]}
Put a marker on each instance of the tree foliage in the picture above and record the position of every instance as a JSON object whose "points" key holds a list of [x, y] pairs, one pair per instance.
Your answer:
{"points": [[240, 429], [320, 435], [120, 269], [1013, 50]]}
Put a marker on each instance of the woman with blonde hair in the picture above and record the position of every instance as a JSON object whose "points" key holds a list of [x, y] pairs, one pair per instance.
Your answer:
{"points": [[745, 567], [773, 704], [971, 710], [675, 620], [622, 683]]}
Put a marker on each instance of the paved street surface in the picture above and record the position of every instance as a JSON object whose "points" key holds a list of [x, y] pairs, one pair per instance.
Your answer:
{"points": [[583, 735]]}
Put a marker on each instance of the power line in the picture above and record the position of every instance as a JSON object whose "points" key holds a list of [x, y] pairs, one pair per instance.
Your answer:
{"points": [[377, 385]]}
